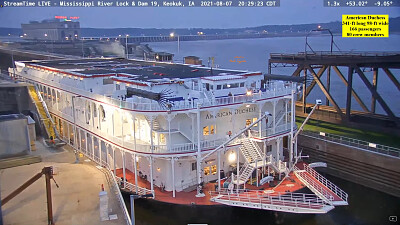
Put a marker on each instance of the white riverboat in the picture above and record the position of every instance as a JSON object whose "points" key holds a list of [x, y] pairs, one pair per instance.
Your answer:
{"points": [[188, 134]]}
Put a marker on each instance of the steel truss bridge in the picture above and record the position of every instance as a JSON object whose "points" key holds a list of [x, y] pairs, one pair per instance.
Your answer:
{"points": [[346, 65]]}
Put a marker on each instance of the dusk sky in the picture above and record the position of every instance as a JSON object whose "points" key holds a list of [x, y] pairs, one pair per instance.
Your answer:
{"points": [[290, 12]]}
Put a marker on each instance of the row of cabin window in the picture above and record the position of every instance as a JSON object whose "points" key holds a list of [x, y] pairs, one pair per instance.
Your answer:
{"points": [[207, 170], [226, 86], [212, 129]]}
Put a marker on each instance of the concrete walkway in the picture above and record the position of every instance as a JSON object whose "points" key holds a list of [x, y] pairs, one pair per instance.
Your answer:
{"points": [[76, 201]]}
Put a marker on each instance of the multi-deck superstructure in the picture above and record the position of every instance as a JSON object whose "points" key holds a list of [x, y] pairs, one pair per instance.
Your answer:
{"points": [[178, 131]]}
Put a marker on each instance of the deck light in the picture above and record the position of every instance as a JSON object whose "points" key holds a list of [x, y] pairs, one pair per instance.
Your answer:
{"points": [[249, 92], [171, 34], [247, 106], [158, 169], [137, 158], [232, 157]]}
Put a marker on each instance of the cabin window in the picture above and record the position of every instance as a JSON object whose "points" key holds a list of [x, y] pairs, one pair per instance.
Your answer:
{"points": [[209, 130], [254, 120], [118, 87], [225, 86], [269, 148], [241, 84], [253, 84], [212, 129], [194, 166], [207, 171], [206, 131], [107, 81], [214, 169], [219, 87], [248, 122], [234, 85], [162, 138]]}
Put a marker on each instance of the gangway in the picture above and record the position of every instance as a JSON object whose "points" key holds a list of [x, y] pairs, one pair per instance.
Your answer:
{"points": [[48, 124], [277, 201], [321, 186]]}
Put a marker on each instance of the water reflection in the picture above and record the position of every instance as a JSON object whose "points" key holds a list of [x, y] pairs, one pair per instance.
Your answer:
{"points": [[366, 206]]}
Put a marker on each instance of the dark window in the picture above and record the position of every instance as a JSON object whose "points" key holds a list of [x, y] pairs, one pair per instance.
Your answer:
{"points": [[107, 81], [194, 166]]}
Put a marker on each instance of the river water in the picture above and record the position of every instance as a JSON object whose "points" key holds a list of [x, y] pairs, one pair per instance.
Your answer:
{"points": [[366, 206], [256, 53]]}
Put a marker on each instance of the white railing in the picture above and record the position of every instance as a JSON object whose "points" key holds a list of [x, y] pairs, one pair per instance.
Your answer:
{"points": [[192, 182], [271, 131], [121, 201], [282, 166], [364, 145], [274, 90], [240, 177], [132, 187], [316, 186], [114, 183], [293, 200], [335, 189]]}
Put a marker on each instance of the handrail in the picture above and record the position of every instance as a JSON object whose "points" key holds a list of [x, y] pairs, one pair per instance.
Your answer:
{"points": [[333, 53], [120, 199], [316, 186], [364, 145], [335, 189], [132, 187], [291, 199]]}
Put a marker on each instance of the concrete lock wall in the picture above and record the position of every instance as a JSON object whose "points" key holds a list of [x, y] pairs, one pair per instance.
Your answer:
{"points": [[373, 170], [14, 140]]}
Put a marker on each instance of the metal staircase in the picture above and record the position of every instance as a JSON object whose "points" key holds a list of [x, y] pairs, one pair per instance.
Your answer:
{"points": [[254, 159], [45, 118], [156, 125], [210, 96], [250, 150]]}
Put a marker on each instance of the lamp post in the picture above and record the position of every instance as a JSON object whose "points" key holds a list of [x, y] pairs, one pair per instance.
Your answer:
{"points": [[126, 45], [83, 53], [173, 35]]}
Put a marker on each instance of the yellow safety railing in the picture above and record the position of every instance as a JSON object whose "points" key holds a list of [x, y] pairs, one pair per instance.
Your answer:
{"points": [[47, 122]]}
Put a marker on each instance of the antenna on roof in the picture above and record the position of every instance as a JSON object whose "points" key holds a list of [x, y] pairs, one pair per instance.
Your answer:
{"points": [[212, 63]]}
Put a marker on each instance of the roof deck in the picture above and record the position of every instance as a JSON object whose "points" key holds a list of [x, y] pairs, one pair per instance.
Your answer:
{"points": [[139, 70]]}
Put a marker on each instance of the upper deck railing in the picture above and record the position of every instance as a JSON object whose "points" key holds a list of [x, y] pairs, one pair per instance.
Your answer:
{"points": [[274, 89]]}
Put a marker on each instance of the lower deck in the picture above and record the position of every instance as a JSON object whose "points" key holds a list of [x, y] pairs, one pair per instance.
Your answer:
{"points": [[289, 185]]}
